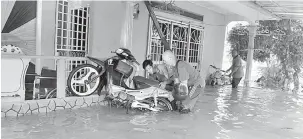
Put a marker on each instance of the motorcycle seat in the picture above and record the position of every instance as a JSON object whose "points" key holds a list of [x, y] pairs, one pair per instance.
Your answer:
{"points": [[142, 82], [146, 81]]}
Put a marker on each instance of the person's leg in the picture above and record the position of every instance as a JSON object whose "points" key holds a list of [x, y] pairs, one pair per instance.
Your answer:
{"points": [[189, 103], [235, 82]]}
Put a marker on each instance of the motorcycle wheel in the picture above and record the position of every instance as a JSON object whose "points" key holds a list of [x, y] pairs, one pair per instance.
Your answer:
{"points": [[87, 90], [162, 103]]}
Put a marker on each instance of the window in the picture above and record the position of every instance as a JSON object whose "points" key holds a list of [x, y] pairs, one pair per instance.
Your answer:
{"points": [[72, 26], [71, 32], [186, 41]]}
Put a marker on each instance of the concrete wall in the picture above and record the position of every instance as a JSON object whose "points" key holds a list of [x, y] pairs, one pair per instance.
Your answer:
{"points": [[107, 19], [140, 35], [105, 28]]}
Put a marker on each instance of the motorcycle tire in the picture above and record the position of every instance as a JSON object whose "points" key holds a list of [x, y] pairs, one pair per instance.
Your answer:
{"points": [[69, 80], [165, 102]]}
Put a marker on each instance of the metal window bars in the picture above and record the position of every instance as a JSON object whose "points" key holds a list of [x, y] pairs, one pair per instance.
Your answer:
{"points": [[186, 41], [72, 28]]}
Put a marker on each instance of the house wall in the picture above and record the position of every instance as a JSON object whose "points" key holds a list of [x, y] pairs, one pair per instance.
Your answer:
{"points": [[106, 26], [215, 28]]}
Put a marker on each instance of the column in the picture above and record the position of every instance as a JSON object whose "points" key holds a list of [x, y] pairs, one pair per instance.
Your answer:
{"points": [[38, 36], [61, 80], [127, 30], [252, 33]]}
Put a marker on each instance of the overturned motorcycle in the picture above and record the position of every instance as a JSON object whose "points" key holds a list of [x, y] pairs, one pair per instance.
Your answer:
{"points": [[114, 73], [218, 77]]}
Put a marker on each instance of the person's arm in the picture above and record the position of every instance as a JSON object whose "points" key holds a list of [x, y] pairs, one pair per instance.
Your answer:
{"points": [[234, 70], [162, 69], [183, 75], [162, 77], [152, 76], [183, 79], [229, 68]]}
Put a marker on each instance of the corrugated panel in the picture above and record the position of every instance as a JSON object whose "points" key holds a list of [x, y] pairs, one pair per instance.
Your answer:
{"points": [[22, 12], [6, 8], [26, 31]]}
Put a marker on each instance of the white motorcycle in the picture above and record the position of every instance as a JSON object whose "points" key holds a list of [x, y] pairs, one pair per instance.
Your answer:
{"points": [[114, 73]]}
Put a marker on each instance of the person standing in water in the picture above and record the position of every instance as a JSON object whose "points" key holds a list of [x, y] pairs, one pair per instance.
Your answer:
{"points": [[237, 71], [188, 82]]}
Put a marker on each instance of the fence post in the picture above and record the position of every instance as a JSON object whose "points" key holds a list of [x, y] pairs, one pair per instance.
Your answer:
{"points": [[61, 80]]}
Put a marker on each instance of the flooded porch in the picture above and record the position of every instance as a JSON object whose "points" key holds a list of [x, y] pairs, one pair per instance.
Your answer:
{"points": [[220, 113]]}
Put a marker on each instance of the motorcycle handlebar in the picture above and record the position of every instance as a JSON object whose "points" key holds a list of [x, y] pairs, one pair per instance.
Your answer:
{"points": [[217, 68], [136, 62]]}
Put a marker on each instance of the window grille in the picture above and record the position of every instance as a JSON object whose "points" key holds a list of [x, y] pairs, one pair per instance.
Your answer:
{"points": [[72, 26], [185, 39]]}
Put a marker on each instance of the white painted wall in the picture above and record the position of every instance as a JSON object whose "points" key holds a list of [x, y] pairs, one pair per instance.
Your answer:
{"points": [[106, 24], [105, 27]]}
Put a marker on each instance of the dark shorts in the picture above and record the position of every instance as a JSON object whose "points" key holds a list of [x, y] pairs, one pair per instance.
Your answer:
{"points": [[235, 82]]}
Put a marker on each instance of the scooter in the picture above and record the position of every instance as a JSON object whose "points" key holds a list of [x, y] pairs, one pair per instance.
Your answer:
{"points": [[218, 77], [112, 75]]}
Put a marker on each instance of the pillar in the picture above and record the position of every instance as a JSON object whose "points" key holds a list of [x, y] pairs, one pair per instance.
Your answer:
{"points": [[127, 30], [252, 33], [38, 36], [61, 78]]}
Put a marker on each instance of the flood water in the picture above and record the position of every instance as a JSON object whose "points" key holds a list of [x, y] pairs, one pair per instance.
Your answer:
{"points": [[219, 114]]}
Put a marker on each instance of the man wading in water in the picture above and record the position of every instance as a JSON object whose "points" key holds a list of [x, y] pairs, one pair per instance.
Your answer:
{"points": [[236, 68], [188, 82]]}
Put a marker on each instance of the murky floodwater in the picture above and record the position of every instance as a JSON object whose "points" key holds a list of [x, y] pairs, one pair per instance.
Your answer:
{"points": [[220, 113]]}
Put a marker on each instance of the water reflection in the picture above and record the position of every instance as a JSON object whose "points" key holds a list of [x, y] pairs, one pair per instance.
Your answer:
{"points": [[220, 113]]}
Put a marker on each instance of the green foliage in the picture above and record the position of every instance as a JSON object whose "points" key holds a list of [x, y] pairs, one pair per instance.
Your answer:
{"points": [[288, 48]]}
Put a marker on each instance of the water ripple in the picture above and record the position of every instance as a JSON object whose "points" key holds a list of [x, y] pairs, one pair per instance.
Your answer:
{"points": [[221, 113]]}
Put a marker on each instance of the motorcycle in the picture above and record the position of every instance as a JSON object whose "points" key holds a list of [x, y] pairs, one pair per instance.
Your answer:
{"points": [[218, 77], [112, 75]]}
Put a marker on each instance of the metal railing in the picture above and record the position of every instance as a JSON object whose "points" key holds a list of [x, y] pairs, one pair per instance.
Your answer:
{"points": [[60, 69]]}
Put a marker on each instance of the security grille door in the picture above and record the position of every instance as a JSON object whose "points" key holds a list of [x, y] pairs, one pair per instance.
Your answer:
{"points": [[72, 28], [186, 41]]}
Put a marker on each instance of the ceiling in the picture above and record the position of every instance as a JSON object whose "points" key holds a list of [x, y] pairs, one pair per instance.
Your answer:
{"points": [[282, 9], [264, 9], [210, 6]]}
